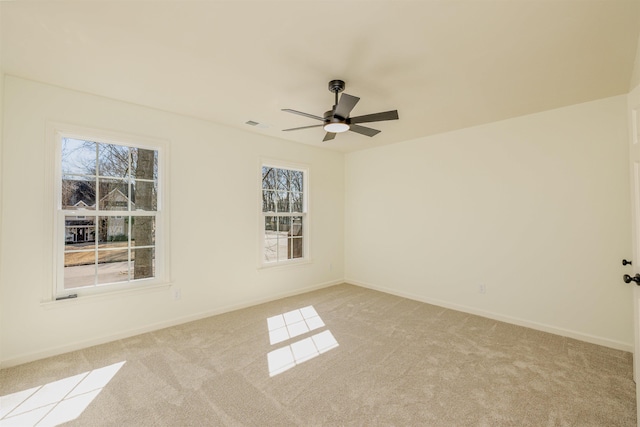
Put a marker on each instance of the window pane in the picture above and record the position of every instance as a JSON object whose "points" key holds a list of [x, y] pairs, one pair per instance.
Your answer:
{"points": [[145, 196], [113, 266], [284, 224], [283, 179], [78, 157], [79, 269], [270, 225], [113, 160], [113, 232], [295, 247], [284, 227], [296, 202], [268, 201], [270, 239], [144, 163], [144, 262], [270, 250], [143, 231], [78, 192], [79, 232], [114, 194], [283, 253], [296, 181], [296, 226], [283, 201], [268, 178]]}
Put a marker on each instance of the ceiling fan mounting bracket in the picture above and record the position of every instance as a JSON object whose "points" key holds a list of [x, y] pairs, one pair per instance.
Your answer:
{"points": [[336, 86]]}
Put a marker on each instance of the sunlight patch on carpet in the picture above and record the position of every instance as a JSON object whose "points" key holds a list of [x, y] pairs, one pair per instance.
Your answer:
{"points": [[57, 402], [292, 324]]}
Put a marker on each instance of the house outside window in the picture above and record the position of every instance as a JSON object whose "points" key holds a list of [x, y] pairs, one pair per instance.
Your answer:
{"points": [[284, 226], [109, 221]]}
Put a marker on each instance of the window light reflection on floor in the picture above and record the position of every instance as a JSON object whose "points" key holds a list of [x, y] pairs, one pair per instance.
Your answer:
{"points": [[292, 324], [57, 402]]}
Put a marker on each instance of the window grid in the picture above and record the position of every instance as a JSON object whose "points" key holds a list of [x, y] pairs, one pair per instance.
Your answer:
{"points": [[284, 225], [109, 231]]}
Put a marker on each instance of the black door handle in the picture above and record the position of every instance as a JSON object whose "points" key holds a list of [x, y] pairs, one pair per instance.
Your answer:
{"points": [[629, 279], [625, 262]]}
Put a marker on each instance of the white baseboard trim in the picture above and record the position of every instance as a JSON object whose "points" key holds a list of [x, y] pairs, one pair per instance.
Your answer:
{"points": [[618, 345], [79, 345]]}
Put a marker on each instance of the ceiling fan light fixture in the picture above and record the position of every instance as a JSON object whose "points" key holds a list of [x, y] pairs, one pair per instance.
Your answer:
{"points": [[336, 127]]}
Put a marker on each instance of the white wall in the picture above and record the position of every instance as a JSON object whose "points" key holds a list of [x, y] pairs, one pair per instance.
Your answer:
{"points": [[1, 139], [534, 208], [213, 178]]}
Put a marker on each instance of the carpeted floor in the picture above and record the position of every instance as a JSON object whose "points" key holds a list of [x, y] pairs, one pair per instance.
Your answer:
{"points": [[343, 355]]}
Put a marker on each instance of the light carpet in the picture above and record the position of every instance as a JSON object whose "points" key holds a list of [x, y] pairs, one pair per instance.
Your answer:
{"points": [[347, 356]]}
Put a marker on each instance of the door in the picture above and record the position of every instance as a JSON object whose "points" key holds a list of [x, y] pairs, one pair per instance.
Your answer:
{"points": [[634, 153]]}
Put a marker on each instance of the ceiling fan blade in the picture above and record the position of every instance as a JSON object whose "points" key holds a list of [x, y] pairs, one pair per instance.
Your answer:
{"points": [[363, 130], [345, 105], [329, 136], [303, 127], [300, 113], [376, 117]]}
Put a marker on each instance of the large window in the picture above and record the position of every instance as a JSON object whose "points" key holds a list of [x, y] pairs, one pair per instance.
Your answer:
{"points": [[108, 216], [284, 214]]}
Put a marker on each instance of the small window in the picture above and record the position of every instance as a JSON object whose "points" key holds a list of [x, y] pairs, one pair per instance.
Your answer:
{"points": [[115, 242], [284, 193]]}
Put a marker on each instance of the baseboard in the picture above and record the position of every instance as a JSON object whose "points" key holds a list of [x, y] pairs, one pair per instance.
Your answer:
{"points": [[79, 345], [618, 345]]}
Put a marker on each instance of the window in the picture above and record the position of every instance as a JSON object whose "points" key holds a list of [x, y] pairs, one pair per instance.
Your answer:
{"points": [[108, 227], [284, 227]]}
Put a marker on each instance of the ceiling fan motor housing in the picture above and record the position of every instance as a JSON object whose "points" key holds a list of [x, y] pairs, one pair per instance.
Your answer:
{"points": [[336, 86], [329, 117]]}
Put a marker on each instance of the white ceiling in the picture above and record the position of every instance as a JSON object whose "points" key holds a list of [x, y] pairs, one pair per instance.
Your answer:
{"points": [[443, 64]]}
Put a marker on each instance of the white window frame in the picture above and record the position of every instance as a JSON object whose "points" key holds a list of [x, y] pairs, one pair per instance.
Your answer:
{"points": [[57, 133], [304, 214]]}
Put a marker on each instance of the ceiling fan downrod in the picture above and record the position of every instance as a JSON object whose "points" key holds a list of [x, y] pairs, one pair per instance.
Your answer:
{"points": [[336, 86]]}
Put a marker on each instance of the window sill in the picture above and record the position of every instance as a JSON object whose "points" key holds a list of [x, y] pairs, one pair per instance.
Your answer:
{"points": [[282, 265], [83, 299]]}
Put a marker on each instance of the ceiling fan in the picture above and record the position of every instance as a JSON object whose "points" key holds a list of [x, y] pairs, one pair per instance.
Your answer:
{"points": [[337, 119]]}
